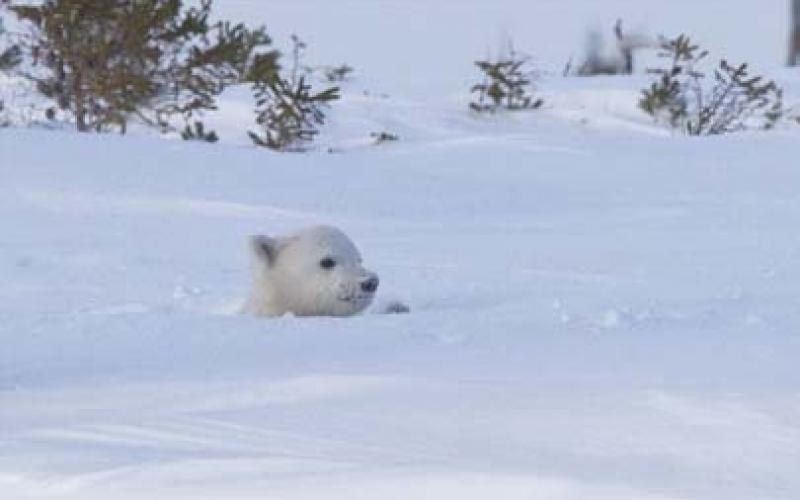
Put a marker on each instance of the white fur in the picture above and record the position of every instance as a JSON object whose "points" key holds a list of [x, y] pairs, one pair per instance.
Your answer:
{"points": [[288, 277]]}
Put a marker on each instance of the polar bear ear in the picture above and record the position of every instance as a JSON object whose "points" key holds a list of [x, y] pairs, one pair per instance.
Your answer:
{"points": [[265, 248]]}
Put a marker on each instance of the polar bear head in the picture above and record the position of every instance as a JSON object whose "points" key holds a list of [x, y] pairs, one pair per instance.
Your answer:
{"points": [[315, 272]]}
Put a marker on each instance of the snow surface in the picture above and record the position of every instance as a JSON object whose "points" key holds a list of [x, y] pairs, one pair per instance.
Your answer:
{"points": [[599, 310]]}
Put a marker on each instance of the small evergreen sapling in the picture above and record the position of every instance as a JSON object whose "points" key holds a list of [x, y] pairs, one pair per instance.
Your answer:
{"points": [[506, 85], [668, 97], [288, 110], [197, 132], [733, 101]]}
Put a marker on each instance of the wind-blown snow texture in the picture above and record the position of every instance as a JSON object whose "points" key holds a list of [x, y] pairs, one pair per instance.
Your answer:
{"points": [[599, 310]]}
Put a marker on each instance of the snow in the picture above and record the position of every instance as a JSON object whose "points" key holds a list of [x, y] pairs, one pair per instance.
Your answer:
{"points": [[599, 309]]}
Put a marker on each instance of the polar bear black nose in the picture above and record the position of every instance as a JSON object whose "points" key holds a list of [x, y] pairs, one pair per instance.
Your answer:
{"points": [[370, 285]]}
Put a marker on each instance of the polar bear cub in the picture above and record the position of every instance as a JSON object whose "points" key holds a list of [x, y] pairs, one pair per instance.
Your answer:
{"points": [[315, 272]]}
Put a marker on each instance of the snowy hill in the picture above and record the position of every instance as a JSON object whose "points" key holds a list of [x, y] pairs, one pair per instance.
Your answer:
{"points": [[600, 310]]}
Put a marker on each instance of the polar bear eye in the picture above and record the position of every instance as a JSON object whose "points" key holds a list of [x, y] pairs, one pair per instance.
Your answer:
{"points": [[327, 263]]}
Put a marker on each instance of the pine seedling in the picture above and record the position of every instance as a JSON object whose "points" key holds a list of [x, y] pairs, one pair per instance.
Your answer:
{"points": [[506, 85], [198, 132], [288, 110], [733, 101]]}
